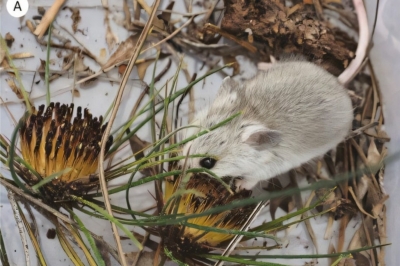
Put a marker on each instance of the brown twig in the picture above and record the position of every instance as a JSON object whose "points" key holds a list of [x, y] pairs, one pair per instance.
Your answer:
{"points": [[84, 49], [140, 252], [361, 130], [244, 44], [171, 35], [37, 202]]}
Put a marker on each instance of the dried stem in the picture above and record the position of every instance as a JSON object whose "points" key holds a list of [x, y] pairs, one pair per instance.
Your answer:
{"points": [[145, 6], [84, 49], [116, 105], [260, 206], [52, 211], [38, 202], [20, 225], [170, 36], [48, 18]]}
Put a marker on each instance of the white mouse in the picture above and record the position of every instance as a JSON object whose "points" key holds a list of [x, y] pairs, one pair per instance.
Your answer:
{"points": [[290, 114]]}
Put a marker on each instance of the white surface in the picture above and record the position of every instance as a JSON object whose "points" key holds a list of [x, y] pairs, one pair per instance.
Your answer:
{"points": [[99, 97], [385, 56]]}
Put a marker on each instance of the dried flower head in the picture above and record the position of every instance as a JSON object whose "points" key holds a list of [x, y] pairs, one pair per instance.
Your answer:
{"points": [[184, 241], [50, 142]]}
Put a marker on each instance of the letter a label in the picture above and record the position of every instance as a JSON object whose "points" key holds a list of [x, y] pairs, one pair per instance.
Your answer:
{"points": [[17, 8]]}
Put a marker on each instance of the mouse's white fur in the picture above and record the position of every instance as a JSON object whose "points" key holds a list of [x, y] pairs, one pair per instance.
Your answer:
{"points": [[291, 113]]}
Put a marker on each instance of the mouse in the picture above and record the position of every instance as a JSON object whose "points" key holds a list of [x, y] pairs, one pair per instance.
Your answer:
{"points": [[289, 114]]}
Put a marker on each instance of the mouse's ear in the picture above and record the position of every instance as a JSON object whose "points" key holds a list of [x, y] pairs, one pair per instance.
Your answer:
{"points": [[260, 137], [228, 86]]}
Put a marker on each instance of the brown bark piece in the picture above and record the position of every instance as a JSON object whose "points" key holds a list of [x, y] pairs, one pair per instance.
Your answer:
{"points": [[282, 30]]}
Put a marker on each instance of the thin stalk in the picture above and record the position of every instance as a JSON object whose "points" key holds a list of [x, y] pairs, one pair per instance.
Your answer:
{"points": [[3, 252], [157, 144], [125, 126], [111, 218], [171, 257], [106, 134], [90, 239], [336, 262], [174, 96], [33, 238], [153, 102], [28, 166], [165, 220], [229, 231], [312, 256], [47, 69], [78, 239], [279, 222], [11, 155], [66, 246], [18, 220], [25, 95], [9, 185], [122, 210], [129, 185], [48, 179], [242, 261]]}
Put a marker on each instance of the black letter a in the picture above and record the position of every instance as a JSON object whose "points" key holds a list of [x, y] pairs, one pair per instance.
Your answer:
{"points": [[17, 6]]}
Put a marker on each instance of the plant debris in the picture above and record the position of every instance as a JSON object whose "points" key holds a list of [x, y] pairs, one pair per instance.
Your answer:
{"points": [[9, 39], [76, 17], [281, 29]]}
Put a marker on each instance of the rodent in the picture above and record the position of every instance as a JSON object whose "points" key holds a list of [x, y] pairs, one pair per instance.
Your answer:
{"points": [[290, 113]]}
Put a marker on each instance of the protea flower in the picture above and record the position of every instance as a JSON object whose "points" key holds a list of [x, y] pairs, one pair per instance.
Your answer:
{"points": [[184, 241], [50, 142]]}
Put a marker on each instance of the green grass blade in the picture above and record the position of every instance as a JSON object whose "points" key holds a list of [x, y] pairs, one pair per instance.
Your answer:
{"points": [[78, 239], [12, 155], [171, 257], [122, 210], [3, 252], [229, 231], [153, 102], [311, 256], [50, 178], [111, 219], [129, 184], [90, 239], [336, 262], [241, 261], [28, 166], [174, 96]]}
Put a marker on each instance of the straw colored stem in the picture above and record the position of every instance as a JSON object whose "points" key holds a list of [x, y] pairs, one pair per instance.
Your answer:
{"points": [[20, 225], [118, 98], [48, 18]]}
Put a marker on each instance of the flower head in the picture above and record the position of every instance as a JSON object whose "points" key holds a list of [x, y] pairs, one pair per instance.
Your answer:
{"points": [[51, 142], [183, 240]]}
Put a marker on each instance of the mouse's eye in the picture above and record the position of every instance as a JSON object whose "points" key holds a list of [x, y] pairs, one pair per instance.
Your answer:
{"points": [[208, 162]]}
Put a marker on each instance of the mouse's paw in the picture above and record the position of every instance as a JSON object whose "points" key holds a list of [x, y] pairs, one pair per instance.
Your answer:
{"points": [[241, 183]]}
